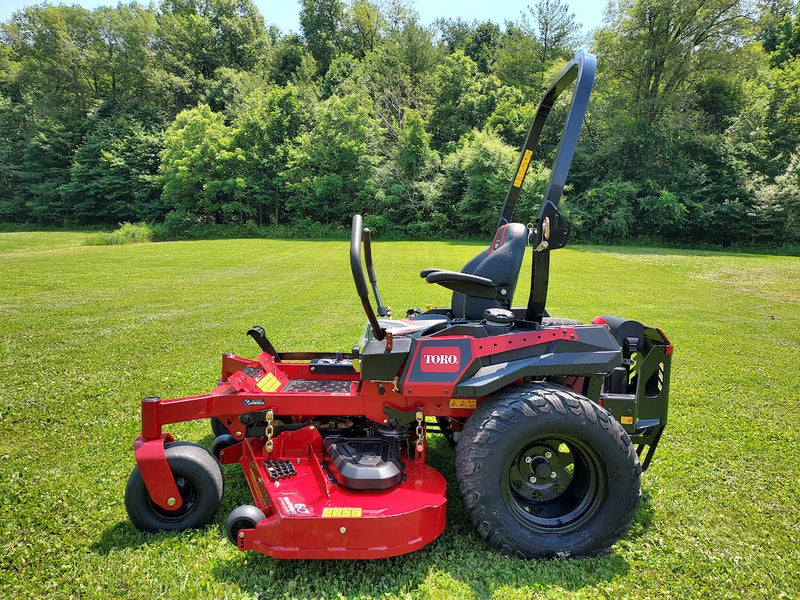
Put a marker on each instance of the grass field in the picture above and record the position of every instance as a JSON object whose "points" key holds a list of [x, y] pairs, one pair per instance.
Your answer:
{"points": [[88, 331]]}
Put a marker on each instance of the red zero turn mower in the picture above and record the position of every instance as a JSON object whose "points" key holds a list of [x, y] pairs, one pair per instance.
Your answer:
{"points": [[552, 421]]}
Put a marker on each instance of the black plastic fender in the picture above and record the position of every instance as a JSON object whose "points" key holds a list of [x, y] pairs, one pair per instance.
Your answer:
{"points": [[594, 352]]}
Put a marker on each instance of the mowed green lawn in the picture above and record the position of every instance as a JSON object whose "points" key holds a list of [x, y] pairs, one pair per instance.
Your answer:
{"points": [[88, 331]]}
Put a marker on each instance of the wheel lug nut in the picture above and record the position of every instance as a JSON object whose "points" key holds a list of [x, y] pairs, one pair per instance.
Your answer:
{"points": [[528, 459], [533, 480], [553, 475], [548, 455]]}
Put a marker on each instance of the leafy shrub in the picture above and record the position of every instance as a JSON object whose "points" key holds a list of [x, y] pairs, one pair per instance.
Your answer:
{"points": [[777, 208], [176, 225], [604, 213], [377, 224], [127, 233]]}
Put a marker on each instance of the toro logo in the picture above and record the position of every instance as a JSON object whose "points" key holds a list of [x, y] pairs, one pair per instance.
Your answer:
{"points": [[441, 360]]}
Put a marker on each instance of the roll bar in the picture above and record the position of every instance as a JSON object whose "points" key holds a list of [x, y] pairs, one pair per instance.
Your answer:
{"points": [[551, 229]]}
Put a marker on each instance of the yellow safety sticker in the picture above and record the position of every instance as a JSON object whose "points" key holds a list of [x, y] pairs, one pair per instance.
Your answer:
{"points": [[626, 420], [523, 168], [269, 383], [463, 403], [341, 511]]}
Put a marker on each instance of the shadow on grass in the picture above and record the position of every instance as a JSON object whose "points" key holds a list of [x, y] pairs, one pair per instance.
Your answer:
{"points": [[446, 568], [124, 535]]}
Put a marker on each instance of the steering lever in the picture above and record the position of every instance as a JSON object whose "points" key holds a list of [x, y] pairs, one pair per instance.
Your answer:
{"points": [[383, 311], [358, 276]]}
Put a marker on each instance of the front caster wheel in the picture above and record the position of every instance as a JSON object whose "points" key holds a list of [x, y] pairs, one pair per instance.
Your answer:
{"points": [[242, 517], [199, 480], [220, 443], [218, 427], [544, 471]]}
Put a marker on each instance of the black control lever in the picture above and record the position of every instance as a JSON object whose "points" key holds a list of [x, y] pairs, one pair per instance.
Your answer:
{"points": [[257, 333], [383, 311]]}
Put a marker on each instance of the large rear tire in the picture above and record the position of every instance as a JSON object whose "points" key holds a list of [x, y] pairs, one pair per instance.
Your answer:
{"points": [[544, 471]]}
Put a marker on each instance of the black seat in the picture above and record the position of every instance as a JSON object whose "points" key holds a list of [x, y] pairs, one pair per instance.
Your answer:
{"points": [[489, 279]]}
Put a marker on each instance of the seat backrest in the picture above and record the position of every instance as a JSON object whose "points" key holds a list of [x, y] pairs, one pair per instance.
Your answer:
{"points": [[500, 262]]}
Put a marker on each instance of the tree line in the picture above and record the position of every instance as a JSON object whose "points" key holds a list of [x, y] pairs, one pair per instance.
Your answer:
{"points": [[192, 113]]}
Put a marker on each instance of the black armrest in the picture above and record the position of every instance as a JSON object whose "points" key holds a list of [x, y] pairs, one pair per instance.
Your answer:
{"points": [[426, 272], [471, 285]]}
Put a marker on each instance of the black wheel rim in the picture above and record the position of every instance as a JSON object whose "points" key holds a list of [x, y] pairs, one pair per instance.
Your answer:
{"points": [[238, 525], [554, 484], [188, 494]]}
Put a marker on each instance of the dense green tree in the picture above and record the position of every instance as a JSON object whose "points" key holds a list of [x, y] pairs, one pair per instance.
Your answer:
{"points": [[289, 60], [12, 144], [482, 43], [366, 24], [266, 131], [55, 50], [45, 168], [386, 79], [555, 31], [409, 194], [209, 34], [656, 48], [453, 33], [413, 44], [512, 117], [517, 61], [777, 207], [200, 169], [341, 78], [475, 181], [322, 22], [771, 20], [196, 38], [462, 98], [127, 34], [781, 32], [113, 171], [719, 99], [782, 118], [331, 169], [603, 213], [414, 154]]}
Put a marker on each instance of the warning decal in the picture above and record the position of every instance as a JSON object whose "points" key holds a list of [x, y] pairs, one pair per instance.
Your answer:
{"points": [[269, 383], [463, 403], [336, 511], [523, 168]]}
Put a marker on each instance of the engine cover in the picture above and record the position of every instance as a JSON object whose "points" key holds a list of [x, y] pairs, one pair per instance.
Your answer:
{"points": [[365, 463]]}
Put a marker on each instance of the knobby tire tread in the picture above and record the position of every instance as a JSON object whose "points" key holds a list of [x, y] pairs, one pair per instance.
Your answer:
{"points": [[497, 416]]}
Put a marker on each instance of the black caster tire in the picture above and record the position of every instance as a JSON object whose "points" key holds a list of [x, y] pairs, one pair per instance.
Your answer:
{"points": [[543, 471], [199, 479], [222, 442], [242, 517], [217, 427]]}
